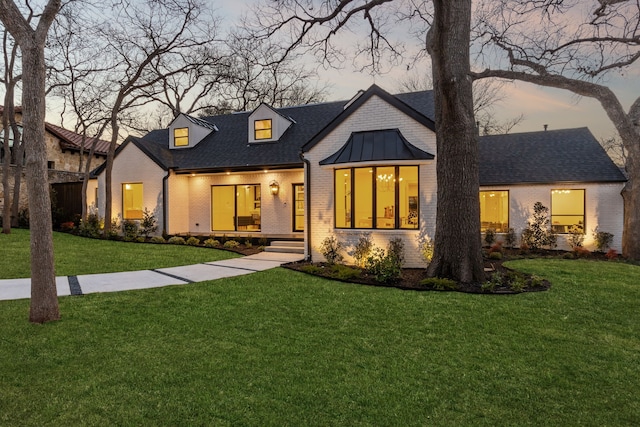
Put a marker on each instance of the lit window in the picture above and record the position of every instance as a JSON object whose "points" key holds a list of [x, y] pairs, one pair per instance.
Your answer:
{"points": [[132, 201], [298, 209], [263, 129], [382, 197], [235, 208], [567, 211], [494, 211], [181, 137]]}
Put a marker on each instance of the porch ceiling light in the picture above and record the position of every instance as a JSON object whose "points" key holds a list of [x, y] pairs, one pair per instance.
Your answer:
{"points": [[274, 187]]}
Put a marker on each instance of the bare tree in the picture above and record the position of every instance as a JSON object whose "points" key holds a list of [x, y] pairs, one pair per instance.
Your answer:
{"points": [[44, 299], [487, 94], [312, 27], [574, 54], [11, 133]]}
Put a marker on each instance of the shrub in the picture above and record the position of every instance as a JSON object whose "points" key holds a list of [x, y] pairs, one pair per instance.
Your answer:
{"points": [[518, 283], [489, 236], [538, 232], [91, 227], [495, 255], [211, 243], [426, 248], [176, 240], [113, 232], [158, 239], [510, 238], [148, 224], [362, 249], [581, 252], [496, 247], [575, 238], [312, 269], [439, 283], [230, 244], [497, 279], [262, 241], [330, 249], [536, 281], [67, 226], [611, 254], [193, 241], [603, 239], [386, 266], [141, 239], [130, 230]]}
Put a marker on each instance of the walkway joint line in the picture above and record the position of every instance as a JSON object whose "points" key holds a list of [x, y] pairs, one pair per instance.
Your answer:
{"points": [[173, 276], [74, 285], [230, 266]]}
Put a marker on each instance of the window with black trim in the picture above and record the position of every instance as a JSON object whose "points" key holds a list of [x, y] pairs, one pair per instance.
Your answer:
{"points": [[263, 129], [567, 211], [377, 197], [181, 137], [494, 211]]}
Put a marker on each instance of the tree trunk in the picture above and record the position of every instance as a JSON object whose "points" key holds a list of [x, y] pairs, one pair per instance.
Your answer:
{"points": [[6, 163], [44, 298], [17, 179], [457, 251]]}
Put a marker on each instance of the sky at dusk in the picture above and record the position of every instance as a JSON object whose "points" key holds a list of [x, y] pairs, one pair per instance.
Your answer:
{"points": [[557, 108]]}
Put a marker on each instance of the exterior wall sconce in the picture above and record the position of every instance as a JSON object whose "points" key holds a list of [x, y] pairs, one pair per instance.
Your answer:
{"points": [[274, 187]]}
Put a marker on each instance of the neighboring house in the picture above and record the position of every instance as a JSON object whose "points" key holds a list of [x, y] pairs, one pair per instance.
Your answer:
{"points": [[63, 150], [346, 168]]}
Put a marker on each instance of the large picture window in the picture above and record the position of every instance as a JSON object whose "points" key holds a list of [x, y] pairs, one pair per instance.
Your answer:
{"points": [[494, 211], [132, 201], [235, 208], [567, 211], [384, 197]]}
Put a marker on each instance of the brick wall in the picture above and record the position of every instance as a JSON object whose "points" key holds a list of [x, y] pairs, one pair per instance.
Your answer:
{"points": [[375, 114]]}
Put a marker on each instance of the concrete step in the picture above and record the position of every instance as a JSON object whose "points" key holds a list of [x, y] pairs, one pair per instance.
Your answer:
{"points": [[286, 250], [286, 246]]}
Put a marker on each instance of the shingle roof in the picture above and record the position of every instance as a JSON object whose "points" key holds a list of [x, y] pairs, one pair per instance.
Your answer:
{"points": [[566, 155], [376, 145]]}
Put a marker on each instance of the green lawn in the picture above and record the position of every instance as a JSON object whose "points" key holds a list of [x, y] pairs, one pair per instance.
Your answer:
{"points": [[77, 255], [282, 348]]}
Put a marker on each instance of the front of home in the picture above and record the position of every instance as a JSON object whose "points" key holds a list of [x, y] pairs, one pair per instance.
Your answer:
{"points": [[367, 165]]}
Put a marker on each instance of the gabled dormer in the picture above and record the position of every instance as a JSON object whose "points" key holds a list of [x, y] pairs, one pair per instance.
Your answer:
{"points": [[186, 131], [267, 125]]}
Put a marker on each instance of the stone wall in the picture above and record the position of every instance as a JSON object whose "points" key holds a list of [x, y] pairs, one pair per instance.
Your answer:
{"points": [[55, 176]]}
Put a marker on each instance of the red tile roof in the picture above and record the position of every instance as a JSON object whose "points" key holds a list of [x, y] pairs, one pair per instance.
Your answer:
{"points": [[70, 140]]}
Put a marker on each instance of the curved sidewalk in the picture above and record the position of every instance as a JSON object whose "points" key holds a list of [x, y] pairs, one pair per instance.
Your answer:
{"points": [[12, 289]]}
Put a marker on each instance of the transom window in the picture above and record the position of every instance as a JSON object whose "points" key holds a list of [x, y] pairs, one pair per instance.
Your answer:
{"points": [[132, 201], [383, 197], [181, 137], [494, 211], [262, 129], [235, 208], [567, 211]]}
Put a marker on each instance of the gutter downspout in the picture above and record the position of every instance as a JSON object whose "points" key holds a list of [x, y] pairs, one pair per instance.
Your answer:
{"points": [[165, 202], [307, 206]]}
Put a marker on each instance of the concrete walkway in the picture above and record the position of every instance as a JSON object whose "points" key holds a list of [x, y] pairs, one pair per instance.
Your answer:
{"points": [[11, 289]]}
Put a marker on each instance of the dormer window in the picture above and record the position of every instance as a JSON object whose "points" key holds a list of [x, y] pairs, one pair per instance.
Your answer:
{"points": [[181, 137], [262, 129]]}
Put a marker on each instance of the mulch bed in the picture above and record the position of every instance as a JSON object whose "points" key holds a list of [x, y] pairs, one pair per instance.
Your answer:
{"points": [[411, 278]]}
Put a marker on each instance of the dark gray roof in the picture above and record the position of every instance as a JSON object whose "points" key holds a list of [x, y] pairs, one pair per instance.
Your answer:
{"points": [[566, 155], [229, 149], [375, 145], [201, 122]]}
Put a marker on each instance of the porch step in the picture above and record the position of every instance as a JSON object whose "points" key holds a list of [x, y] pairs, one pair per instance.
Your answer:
{"points": [[286, 246]]}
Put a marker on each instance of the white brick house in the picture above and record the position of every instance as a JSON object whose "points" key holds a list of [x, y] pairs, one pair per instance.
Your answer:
{"points": [[367, 165]]}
